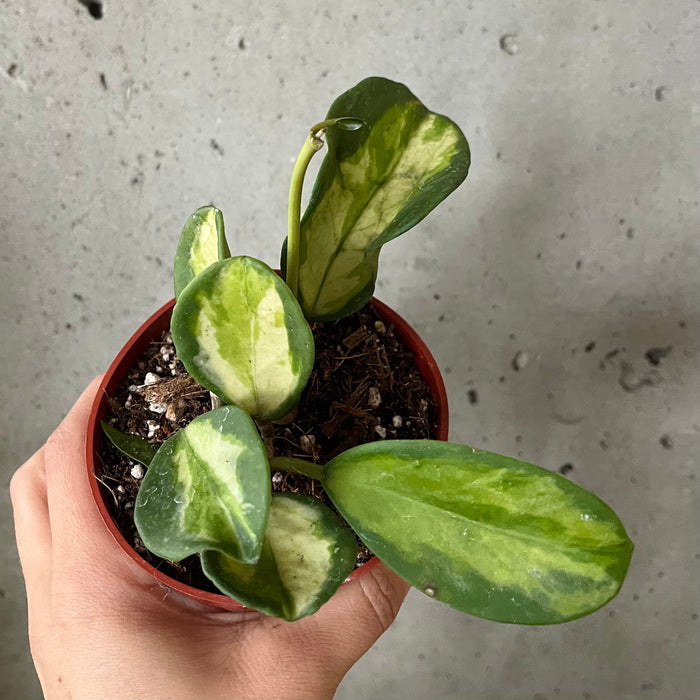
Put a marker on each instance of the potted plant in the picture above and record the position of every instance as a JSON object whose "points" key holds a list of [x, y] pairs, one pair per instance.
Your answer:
{"points": [[487, 534]]}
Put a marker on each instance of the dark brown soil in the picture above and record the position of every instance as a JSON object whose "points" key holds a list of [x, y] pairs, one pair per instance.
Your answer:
{"points": [[364, 387]]}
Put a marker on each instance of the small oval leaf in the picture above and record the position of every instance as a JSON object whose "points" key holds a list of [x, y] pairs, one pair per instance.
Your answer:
{"points": [[133, 446], [208, 487], [373, 185], [308, 553], [202, 243], [240, 333], [489, 535]]}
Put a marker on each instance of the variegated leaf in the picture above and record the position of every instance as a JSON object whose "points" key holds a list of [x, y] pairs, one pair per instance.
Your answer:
{"points": [[373, 185], [308, 553], [208, 487], [489, 535], [240, 333], [202, 243]]}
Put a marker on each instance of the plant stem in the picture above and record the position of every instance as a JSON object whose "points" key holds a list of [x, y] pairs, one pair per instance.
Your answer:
{"points": [[298, 466], [312, 145], [267, 435]]}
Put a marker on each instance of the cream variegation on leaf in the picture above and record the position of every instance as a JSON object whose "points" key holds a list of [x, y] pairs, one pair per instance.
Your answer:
{"points": [[202, 242], [490, 535], [374, 184], [208, 487], [308, 552], [241, 334]]}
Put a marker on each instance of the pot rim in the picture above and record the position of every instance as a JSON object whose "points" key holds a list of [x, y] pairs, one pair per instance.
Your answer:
{"points": [[134, 348]]}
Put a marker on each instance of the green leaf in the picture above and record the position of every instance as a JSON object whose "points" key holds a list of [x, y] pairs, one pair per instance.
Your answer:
{"points": [[373, 185], [489, 535], [208, 487], [308, 553], [133, 446], [202, 243], [241, 334]]}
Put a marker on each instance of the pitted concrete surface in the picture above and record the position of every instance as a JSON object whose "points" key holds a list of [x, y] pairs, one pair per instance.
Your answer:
{"points": [[558, 288]]}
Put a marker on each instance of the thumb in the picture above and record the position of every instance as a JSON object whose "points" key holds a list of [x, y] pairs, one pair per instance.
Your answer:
{"points": [[356, 616], [377, 597]]}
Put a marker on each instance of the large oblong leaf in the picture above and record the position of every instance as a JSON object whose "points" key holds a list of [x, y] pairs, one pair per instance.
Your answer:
{"points": [[308, 553], [373, 185], [240, 333], [202, 242], [208, 487], [489, 535]]}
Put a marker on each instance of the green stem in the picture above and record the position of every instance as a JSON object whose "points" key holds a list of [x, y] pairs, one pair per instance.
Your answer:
{"points": [[299, 466], [267, 435], [312, 145]]}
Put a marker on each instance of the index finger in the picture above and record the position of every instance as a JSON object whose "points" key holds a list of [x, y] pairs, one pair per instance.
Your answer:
{"points": [[75, 520]]}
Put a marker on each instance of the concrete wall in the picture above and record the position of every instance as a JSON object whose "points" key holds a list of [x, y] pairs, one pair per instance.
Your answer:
{"points": [[573, 245]]}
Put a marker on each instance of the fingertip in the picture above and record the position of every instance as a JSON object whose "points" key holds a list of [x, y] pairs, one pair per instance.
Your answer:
{"points": [[365, 608], [76, 419], [385, 592], [71, 505]]}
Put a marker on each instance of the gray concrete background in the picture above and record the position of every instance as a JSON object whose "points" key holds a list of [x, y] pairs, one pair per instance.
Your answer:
{"points": [[574, 242]]}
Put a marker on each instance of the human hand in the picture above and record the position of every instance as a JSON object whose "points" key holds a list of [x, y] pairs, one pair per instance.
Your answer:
{"points": [[100, 627]]}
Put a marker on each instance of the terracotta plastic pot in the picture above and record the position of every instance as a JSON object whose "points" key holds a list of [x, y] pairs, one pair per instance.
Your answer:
{"points": [[152, 330]]}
